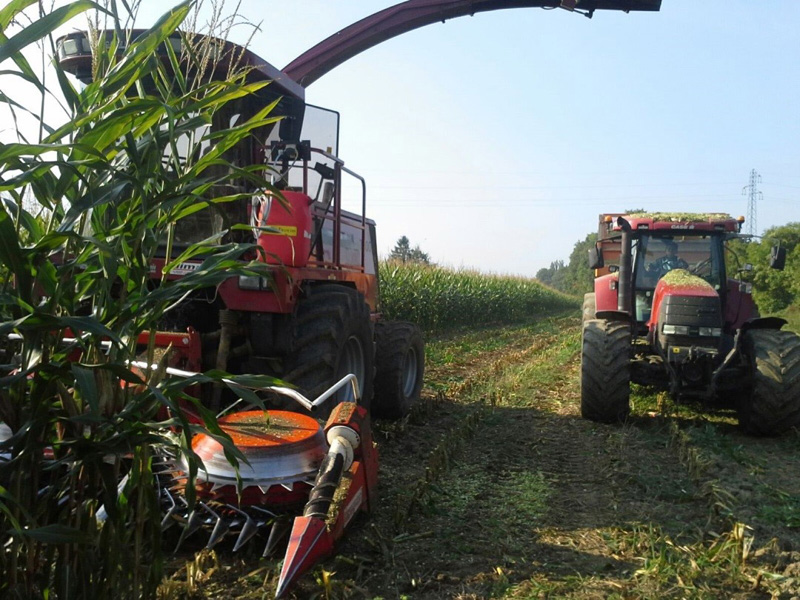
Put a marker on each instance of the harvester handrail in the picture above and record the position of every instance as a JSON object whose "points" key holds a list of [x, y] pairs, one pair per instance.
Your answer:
{"points": [[309, 405]]}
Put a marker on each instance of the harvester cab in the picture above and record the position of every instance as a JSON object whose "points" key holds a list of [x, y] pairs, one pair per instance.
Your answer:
{"points": [[665, 312]]}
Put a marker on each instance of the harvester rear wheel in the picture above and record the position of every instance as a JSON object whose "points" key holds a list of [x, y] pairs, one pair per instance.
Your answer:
{"points": [[400, 365], [773, 407], [331, 337], [605, 371], [589, 307]]}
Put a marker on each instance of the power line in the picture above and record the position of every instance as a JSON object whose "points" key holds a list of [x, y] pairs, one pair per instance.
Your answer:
{"points": [[752, 193]]}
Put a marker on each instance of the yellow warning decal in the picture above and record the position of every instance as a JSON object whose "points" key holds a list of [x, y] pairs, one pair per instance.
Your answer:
{"points": [[289, 230]]}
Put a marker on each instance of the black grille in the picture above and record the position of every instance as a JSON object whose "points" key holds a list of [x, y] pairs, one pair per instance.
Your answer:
{"points": [[694, 311]]}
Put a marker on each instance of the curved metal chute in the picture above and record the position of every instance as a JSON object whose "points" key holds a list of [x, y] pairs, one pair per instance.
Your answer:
{"points": [[413, 14]]}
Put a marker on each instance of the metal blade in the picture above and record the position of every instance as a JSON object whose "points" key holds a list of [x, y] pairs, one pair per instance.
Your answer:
{"points": [[167, 521], [192, 524], [280, 529], [220, 530], [249, 529]]}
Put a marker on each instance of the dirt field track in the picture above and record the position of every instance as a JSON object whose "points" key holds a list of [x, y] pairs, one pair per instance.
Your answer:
{"points": [[496, 488]]}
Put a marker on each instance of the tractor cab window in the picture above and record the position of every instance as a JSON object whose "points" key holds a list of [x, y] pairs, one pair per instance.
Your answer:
{"points": [[654, 257], [657, 256]]}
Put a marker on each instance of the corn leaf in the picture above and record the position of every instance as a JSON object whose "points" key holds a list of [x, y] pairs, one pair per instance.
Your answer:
{"points": [[44, 26]]}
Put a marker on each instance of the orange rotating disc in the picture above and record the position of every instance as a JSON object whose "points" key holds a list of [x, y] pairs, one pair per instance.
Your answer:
{"points": [[281, 447]]}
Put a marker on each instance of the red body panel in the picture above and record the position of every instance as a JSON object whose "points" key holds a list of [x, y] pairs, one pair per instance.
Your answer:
{"points": [[664, 289], [187, 353], [650, 224], [286, 288], [285, 285], [292, 244], [605, 291], [739, 306]]}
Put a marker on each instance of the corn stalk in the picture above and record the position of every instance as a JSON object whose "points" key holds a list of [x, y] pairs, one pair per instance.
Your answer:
{"points": [[104, 193]]}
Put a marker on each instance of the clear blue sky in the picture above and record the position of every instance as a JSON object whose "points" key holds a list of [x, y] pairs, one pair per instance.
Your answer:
{"points": [[494, 141]]}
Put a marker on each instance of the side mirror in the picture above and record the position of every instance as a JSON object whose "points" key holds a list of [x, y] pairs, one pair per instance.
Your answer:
{"points": [[777, 258], [304, 150], [596, 257]]}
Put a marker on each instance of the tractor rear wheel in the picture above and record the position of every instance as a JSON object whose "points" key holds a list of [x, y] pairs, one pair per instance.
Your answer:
{"points": [[605, 371], [331, 337], [400, 365], [589, 307], [773, 407]]}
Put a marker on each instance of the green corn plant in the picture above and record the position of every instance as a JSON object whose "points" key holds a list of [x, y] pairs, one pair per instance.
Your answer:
{"points": [[85, 208], [439, 298]]}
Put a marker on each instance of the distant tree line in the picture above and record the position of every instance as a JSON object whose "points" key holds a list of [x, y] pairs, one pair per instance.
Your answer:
{"points": [[573, 277]]}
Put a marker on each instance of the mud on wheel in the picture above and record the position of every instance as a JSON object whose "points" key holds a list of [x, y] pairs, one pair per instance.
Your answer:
{"points": [[605, 371], [773, 406], [331, 337], [400, 365]]}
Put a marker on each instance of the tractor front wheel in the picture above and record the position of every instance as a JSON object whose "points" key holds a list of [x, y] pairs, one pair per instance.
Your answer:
{"points": [[605, 371], [589, 307], [400, 364], [773, 406], [331, 338]]}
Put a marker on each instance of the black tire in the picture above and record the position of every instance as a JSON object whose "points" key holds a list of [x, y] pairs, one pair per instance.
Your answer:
{"points": [[605, 371], [331, 337], [773, 406], [399, 368], [589, 307]]}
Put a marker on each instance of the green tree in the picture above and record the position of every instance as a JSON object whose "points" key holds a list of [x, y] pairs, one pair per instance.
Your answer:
{"points": [[775, 290], [552, 275], [579, 278], [403, 252], [573, 277]]}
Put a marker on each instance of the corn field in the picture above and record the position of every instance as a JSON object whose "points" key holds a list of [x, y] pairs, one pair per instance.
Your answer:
{"points": [[439, 298]]}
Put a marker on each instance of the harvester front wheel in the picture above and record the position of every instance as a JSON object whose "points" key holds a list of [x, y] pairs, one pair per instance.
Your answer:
{"points": [[773, 407], [605, 371], [589, 307], [400, 365], [331, 337]]}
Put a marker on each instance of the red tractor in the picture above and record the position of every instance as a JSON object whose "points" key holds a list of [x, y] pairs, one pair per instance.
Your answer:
{"points": [[665, 312]]}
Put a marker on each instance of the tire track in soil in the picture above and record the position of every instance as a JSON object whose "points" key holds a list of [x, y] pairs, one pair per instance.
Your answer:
{"points": [[479, 532], [596, 484]]}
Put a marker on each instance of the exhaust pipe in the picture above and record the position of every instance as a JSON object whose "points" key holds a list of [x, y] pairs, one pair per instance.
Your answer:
{"points": [[624, 288]]}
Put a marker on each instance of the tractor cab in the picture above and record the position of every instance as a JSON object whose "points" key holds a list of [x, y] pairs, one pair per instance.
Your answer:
{"points": [[654, 256]]}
